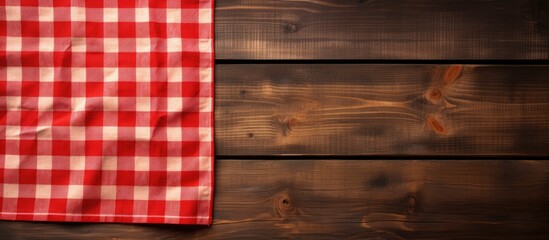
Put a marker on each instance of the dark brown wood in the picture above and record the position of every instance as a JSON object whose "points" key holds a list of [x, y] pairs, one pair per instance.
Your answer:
{"points": [[276, 109], [382, 29], [327, 199]]}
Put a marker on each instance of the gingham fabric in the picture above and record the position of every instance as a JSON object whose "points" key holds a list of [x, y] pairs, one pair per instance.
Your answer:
{"points": [[106, 110]]}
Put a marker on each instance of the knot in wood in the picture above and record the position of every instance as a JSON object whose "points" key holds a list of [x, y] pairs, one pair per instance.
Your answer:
{"points": [[452, 74], [284, 206], [292, 122], [435, 94], [286, 124], [436, 125], [290, 28], [412, 203]]}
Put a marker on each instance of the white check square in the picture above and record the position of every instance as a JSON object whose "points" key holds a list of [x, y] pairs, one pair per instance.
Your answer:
{"points": [[110, 104], [110, 75], [10, 190], [141, 164], [204, 15], [143, 74], [205, 134], [174, 45], [13, 132], [110, 133], [78, 133], [110, 45], [75, 192], [143, 104], [44, 133], [108, 192], [173, 193], [13, 103], [175, 74], [142, 133], [45, 14], [175, 104], [78, 104], [46, 44], [43, 191], [78, 74], [204, 192], [205, 163], [44, 162], [12, 161], [206, 74], [205, 45], [13, 13], [109, 163], [174, 164], [78, 162], [141, 15], [141, 193], [78, 14], [173, 15], [15, 74], [142, 45], [47, 74], [78, 45], [174, 134], [205, 104], [110, 14]]}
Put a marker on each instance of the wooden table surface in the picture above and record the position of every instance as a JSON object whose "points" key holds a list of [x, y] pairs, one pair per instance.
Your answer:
{"points": [[371, 119]]}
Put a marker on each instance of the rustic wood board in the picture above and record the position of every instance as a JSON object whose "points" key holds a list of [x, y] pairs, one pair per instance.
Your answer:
{"points": [[394, 110], [382, 29], [326, 199]]}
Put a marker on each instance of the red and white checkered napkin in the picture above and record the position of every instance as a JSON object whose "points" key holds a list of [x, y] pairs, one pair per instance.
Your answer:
{"points": [[106, 110]]}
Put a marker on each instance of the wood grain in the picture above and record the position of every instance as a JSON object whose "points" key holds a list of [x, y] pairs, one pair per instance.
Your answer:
{"points": [[318, 109], [327, 199], [382, 29]]}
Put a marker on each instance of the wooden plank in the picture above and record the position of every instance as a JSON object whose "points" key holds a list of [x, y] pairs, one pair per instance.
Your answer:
{"points": [[316, 109], [388, 29], [327, 199]]}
